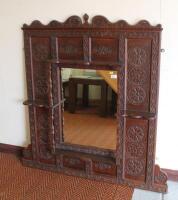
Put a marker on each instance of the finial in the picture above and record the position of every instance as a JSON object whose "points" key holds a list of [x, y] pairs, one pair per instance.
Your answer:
{"points": [[85, 17]]}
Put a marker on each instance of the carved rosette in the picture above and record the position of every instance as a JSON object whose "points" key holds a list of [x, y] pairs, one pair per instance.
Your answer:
{"points": [[134, 167], [137, 76], [135, 133], [40, 52], [135, 150], [136, 95], [137, 56]]}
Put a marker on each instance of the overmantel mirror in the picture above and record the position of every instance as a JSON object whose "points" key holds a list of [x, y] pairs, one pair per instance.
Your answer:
{"points": [[92, 99]]}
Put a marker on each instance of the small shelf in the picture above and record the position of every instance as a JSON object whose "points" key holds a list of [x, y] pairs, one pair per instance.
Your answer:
{"points": [[82, 64], [41, 104], [137, 114]]}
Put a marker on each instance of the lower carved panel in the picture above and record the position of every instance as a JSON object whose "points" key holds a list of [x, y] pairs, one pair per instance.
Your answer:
{"points": [[157, 187], [104, 168], [74, 162], [136, 149]]}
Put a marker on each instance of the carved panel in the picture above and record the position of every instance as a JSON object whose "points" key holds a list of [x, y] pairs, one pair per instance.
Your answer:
{"points": [[43, 128], [104, 168], [137, 56], [70, 48], [135, 133], [74, 162], [134, 167], [40, 47], [136, 148], [104, 49], [138, 53], [40, 52], [136, 95], [137, 76]]}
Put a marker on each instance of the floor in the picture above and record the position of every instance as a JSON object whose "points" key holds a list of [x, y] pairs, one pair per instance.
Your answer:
{"points": [[23, 183], [145, 195], [90, 129]]}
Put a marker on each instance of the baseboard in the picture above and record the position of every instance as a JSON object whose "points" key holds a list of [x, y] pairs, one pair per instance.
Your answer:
{"points": [[172, 174], [7, 148]]}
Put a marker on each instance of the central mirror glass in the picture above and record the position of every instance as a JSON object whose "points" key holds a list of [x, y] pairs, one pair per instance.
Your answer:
{"points": [[90, 107]]}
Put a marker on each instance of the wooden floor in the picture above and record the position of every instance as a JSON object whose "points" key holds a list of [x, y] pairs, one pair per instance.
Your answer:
{"points": [[90, 130], [24, 183]]}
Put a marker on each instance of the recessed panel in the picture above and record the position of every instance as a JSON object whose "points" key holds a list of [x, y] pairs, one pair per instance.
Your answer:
{"points": [[104, 50], [40, 52], [136, 148], [138, 74], [70, 48]]}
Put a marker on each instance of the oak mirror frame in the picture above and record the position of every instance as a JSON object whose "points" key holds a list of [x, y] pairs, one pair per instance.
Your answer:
{"points": [[134, 52]]}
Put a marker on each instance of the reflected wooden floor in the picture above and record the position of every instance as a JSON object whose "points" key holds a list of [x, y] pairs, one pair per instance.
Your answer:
{"points": [[90, 130]]}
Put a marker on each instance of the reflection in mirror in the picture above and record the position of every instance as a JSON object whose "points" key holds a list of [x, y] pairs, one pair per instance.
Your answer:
{"points": [[90, 107]]}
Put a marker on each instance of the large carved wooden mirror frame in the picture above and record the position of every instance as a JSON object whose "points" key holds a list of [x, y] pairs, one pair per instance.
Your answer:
{"points": [[134, 51]]}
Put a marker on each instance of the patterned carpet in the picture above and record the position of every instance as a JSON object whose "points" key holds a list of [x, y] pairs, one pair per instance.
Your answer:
{"points": [[22, 183]]}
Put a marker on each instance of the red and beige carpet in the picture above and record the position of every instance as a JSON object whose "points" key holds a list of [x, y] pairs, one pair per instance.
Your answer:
{"points": [[22, 183]]}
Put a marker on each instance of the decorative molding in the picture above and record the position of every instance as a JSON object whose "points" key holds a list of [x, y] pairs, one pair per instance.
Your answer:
{"points": [[97, 21], [8, 148]]}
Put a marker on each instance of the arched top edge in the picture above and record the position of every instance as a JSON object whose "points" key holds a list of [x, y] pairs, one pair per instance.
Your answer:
{"points": [[98, 21]]}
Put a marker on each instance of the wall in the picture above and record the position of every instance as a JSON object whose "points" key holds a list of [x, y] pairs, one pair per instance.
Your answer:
{"points": [[14, 118]]}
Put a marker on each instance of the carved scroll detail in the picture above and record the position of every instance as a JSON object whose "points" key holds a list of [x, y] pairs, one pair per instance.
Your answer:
{"points": [[160, 176]]}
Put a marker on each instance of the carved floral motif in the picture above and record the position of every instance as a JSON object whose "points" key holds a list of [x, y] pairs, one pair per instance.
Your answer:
{"points": [[41, 86], [137, 56], [40, 52], [134, 167], [137, 76], [135, 133], [136, 95], [135, 150]]}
